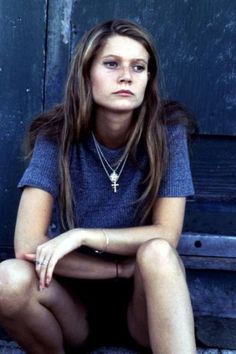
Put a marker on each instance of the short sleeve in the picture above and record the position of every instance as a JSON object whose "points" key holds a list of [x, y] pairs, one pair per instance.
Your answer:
{"points": [[177, 181], [42, 171]]}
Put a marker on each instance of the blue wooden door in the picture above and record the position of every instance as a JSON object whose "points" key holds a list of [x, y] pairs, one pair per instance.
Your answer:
{"points": [[22, 68], [196, 45]]}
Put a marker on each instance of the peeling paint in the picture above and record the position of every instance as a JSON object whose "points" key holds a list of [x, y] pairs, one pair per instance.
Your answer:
{"points": [[231, 25], [66, 21]]}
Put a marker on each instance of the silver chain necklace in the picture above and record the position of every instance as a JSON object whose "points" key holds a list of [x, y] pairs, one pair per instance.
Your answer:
{"points": [[113, 174]]}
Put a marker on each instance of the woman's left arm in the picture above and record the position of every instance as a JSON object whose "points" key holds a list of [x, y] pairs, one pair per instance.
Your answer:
{"points": [[168, 215], [167, 223]]}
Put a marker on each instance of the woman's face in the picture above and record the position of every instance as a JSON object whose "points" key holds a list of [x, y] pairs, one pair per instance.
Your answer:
{"points": [[119, 74]]}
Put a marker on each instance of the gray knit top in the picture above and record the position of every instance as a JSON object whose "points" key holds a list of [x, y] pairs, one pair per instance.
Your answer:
{"points": [[96, 204]]}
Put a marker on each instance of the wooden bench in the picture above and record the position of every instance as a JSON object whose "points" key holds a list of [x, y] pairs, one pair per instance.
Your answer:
{"points": [[211, 264]]}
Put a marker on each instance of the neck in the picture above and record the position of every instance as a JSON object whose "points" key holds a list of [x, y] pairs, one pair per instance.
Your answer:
{"points": [[111, 128]]}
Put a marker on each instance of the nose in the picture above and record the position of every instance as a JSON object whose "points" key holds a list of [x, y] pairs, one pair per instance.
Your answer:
{"points": [[125, 75]]}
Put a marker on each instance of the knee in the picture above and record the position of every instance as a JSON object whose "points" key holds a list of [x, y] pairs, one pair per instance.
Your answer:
{"points": [[158, 256], [16, 279]]}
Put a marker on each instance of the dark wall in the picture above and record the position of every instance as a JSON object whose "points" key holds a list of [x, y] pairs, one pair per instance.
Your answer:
{"points": [[22, 61], [196, 45]]}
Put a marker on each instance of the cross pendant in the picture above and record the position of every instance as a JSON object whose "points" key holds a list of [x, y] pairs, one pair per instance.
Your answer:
{"points": [[114, 186]]}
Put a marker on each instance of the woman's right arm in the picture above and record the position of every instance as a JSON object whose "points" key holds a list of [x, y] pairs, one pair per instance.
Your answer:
{"points": [[33, 219]]}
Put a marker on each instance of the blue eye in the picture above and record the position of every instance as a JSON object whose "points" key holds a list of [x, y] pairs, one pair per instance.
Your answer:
{"points": [[111, 64], [138, 68]]}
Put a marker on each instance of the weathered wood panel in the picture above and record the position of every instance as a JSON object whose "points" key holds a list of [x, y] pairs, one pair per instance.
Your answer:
{"points": [[198, 56], [214, 168], [216, 217], [58, 50], [213, 294], [208, 251], [207, 245], [213, 208], [217, 332], [22, 32], [214, 263]]}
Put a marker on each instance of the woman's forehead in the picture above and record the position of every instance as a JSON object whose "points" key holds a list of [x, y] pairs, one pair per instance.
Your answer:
{"points": [[120, 46]]}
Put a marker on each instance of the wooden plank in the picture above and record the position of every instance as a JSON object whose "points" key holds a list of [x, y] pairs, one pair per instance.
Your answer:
{"points": [[213, 217], [213, 168], [207, 245], [199, 60], [216, 263], [213, 292], [58, 50], [213, 208], [22, 31], [216, 332], [87, 14]]}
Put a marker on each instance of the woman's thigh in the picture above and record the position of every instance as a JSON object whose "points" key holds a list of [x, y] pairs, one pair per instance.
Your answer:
{"points": [[156, 260], [20, 297], [137, 313]]}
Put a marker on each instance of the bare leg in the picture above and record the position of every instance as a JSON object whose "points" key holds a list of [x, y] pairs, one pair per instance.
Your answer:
{"points": [[160, 313], [40, 321]]}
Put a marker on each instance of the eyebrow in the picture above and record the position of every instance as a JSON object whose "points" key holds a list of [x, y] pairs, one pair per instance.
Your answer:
{"points": [[118, 57]]}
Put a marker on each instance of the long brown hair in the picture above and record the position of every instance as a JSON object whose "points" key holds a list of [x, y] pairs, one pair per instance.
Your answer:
{"points": [[72, 120]]}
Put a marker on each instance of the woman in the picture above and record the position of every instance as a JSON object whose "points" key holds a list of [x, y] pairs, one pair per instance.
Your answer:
{"points": [[108, 177]]}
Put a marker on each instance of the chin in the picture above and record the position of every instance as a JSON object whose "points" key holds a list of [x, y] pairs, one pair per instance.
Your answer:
{"points": [[125, 107], [120, 108]]}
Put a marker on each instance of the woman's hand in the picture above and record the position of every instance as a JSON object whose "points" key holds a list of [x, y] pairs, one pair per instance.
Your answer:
{"points": [[49, 253], [126, 268]]}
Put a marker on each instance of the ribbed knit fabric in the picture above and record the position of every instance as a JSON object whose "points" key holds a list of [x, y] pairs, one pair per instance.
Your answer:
{"points": [[96, 203]]}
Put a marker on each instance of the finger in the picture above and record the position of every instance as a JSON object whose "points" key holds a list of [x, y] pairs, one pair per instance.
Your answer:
{"points": [[42, 274], [41, 259], [30, 257], [50, 269], [38, 260], [40, 265]]}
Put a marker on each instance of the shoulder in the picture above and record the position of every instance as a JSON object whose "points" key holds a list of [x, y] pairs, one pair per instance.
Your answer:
{"points": [[176, 137], [42, 171], [45, 148], [176, 118], [43, 142], [177, 180]]}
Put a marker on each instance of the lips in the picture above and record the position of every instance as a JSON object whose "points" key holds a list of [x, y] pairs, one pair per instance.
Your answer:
{"points": [[124, 93]]}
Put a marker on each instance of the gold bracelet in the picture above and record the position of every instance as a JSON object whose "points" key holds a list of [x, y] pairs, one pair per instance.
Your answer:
{"points": [[106, 245], [107, 240]]}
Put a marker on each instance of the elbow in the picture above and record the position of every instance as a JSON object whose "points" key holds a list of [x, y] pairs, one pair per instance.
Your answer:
{"points": [[172, 236], [175, 238]]}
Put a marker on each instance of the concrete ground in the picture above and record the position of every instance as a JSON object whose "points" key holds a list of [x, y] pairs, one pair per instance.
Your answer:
{"points": [[13, 348]]}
